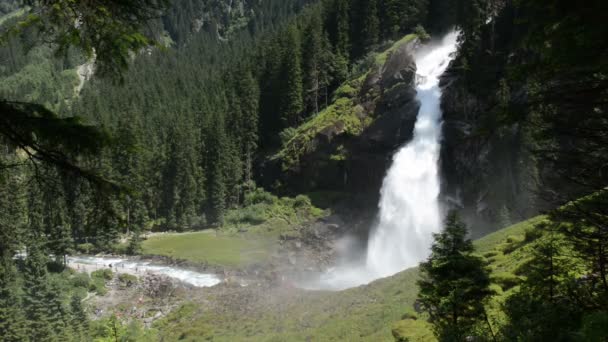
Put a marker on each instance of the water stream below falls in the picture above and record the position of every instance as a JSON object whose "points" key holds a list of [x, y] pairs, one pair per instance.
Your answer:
{"points": [[140, 268], [409, 203]]}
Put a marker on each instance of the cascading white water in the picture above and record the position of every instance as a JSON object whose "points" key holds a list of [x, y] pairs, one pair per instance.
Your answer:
{"points": [[409, 207], [409, 204]]}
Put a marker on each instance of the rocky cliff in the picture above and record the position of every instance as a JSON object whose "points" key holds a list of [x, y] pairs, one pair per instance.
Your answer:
{"points": [[347, 147], [488, 172]]}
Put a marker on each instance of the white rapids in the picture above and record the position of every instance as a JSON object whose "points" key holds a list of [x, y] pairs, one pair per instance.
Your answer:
{"points": [[139, 268], [409, 204]]}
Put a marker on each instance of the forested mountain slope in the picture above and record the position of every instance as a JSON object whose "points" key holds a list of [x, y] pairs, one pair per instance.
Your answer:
{"points": [[215, 102]]}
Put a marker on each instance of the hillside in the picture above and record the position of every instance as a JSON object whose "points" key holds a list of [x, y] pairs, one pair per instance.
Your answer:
{"points": [[192, 169], [368, 313]]}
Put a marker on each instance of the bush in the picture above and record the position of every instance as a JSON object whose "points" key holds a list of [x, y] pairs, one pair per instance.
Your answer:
{"points": [[98, 285], [85, 248], [105, 274], [119, 248], [287, 134], [595, 327], [260, 196], [421, 33], [490, 254], [81, 280], [135, 247], [532, 234], [302, 201], [253, 214], [505, 280], [127, 280]]}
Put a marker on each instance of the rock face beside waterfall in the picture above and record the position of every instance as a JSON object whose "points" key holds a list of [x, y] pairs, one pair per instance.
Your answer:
{"points": [[383, 105], [487, 170]]}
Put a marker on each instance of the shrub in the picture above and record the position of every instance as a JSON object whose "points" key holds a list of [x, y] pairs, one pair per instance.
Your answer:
{"points": [[532, 234], [85, 248], [505, 280], [287, 134], [119, 248], [302, 201], [105, 274], [259, 196], [595, 327], [81, 280], [135, 247], [98, 286], [421, 33], [127, 280], [490, 254]]}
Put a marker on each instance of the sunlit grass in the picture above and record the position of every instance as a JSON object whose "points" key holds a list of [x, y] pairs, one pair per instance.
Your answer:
{"points": [[211, 247]]}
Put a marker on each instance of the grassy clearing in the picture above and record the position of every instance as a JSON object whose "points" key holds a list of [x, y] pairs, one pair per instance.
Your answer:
{"points": [[380, 311], [359, 314], [211, 247], [249, 236]]}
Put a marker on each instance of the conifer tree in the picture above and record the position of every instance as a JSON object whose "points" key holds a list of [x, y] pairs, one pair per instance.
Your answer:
{"points": [[454, 284], [217, 152], [44, 321], [338, 24], [79, 322], [291, 101], [547, 306], [313, 63], [12, 320], [366, 25], [248, 94]]}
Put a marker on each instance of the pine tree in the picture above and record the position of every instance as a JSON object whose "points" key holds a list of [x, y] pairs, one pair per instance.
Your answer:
{"points": [[338, 24], [135, 247], [366, 26], [248, 94], [12, 320], [504, 217], [392, 13], [44, 322], [547, 307], [454, 284], [313, 63], [217, 153], [291, 101], [79, 322]]}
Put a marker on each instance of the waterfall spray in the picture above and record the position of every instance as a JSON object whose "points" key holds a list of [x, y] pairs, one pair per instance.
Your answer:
{"points": [[409, 204]]}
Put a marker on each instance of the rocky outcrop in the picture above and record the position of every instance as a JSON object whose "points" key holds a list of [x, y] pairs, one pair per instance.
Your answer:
{"points": [[487, 171], [338, 160]]}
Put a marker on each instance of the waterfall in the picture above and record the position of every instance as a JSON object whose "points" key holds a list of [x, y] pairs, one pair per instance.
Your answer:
{"points": [[409, 207], [409, 204]]}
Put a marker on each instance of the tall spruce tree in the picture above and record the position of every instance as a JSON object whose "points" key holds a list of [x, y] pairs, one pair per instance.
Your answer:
{"points": [[454, 285], [291, 101], [546, 307], [44, 321], [12, 320]]}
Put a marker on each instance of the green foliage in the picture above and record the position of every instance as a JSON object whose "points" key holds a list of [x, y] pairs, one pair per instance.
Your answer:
{"points": [[80, 279], [454, 285], [112, 329], [213, 248], [134, 247], [413, 330], [595, 327], [105, 274], [127, 280]]}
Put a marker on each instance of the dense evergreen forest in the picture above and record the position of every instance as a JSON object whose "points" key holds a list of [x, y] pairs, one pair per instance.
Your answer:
{"points": [[168, 131]]}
